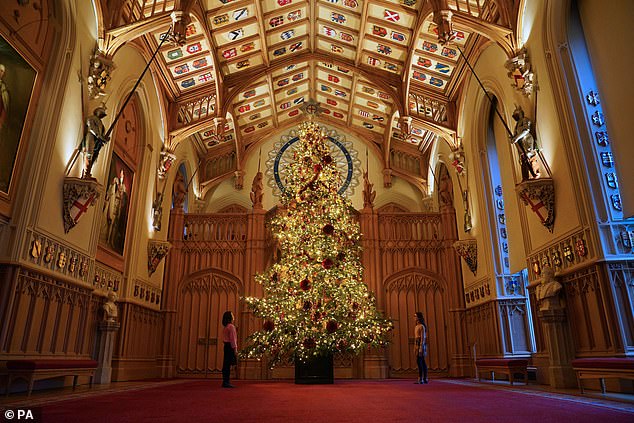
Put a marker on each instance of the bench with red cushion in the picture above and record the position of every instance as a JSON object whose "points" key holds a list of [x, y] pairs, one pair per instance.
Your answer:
{"points": [[602, 368], [509, 366], [36, 369]]}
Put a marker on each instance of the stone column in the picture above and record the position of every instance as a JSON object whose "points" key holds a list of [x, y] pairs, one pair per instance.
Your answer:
{"points": [[107, 331], [559, 347]]}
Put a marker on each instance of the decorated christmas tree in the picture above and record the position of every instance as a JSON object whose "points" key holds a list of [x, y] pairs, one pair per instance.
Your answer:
{"points": [[315, 302]]}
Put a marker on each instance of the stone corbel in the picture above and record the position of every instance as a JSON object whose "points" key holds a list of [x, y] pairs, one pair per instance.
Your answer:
{"points": [[539, 195], [156, 250], [468, 250], [219, 125], [79, 195], [387, 178], [405, 125], [519, 70], [239, 179]]}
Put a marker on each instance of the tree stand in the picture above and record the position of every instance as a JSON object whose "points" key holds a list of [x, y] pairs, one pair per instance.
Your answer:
{"points": [[318, 370]]}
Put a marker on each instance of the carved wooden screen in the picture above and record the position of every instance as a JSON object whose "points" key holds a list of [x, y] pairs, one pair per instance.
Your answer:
{"points": [[202, 300], [409, 291]]}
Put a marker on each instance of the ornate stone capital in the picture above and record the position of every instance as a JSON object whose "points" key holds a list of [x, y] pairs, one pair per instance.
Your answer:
{"points": [[468, 250], [539, 195], [156, 250], [79, 195]]}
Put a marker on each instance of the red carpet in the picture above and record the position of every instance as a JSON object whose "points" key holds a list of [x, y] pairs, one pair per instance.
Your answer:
{"points": [[345, 401]]}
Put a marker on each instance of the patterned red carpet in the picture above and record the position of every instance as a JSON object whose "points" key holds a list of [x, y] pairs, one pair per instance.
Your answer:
{"points": [[345, 401]]}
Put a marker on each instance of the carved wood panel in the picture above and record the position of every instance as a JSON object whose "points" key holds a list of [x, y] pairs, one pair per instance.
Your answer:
{"points": [[410, 291], [591, 312], [202, 301], [49, 317]]}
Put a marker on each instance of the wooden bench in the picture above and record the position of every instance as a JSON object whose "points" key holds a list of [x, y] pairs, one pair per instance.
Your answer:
{"points": [[509, 366], [36, 369], [603, 368]]}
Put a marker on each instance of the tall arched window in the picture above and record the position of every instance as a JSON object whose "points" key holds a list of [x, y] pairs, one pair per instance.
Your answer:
{"points": [[515, 319]]}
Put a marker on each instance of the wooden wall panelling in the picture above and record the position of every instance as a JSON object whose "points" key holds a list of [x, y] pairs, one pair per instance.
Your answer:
{"points": [[138, 343], [621, 275], [514, 326], [591, 312], [483, 329], [47, 317]]}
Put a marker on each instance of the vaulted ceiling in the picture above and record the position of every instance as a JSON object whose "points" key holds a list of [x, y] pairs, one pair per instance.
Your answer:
{"points": [[246, 66]]}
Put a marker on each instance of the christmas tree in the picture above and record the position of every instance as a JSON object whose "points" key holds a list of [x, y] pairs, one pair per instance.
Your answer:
{"points": [[315, 302]]}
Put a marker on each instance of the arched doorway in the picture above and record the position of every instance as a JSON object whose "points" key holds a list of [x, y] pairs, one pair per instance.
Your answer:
{"points": [[202, 299], [409, 291]]}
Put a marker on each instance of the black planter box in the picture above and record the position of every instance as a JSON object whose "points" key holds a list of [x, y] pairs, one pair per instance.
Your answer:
{"points": [[319, 370]]}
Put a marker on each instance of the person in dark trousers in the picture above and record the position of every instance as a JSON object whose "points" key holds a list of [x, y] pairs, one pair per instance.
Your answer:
{"points": [[420, 334], [230, 338]]}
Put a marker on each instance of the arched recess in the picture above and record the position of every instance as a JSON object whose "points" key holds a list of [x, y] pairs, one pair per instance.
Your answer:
{"points": [[202, 298], [408, 291]]}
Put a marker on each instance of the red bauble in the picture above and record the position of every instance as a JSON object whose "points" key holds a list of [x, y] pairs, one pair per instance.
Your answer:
{"points": [[305, 285], [309, 343], [327, 263], [332, 326], [327, 159], [268, 325], [307, 305], [341, 256], [316, 316], [328, 229], [317, 168], [355, 306]]}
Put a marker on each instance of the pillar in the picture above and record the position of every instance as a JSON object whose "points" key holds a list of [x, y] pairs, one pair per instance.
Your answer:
{"points": [[105, 344]]}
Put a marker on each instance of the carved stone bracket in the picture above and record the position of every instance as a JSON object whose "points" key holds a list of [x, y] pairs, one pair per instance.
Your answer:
{"points": [[79, 194], [468, 250], [519, 70], [387, 178], [156, 250], [539, 195]]}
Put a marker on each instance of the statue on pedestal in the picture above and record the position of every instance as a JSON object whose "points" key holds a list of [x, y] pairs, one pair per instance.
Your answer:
{"points": [[548, 291], [110, 309]]}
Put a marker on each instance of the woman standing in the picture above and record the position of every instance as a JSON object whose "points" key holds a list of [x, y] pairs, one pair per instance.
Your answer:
{"points": [[420, 334], [230, 339]]}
